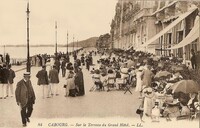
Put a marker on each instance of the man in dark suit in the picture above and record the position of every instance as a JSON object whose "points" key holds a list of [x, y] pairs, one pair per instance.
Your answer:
{"points": [[43, 81], [54, 80], [10, 81], [25, 98], [4, 79], [63, 67]]}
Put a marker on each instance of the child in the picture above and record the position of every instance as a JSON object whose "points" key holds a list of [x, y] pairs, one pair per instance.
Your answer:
{"points": [[155, 115]]}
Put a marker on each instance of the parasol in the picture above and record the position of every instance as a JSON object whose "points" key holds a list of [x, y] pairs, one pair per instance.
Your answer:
{"points": [[186, 86]]}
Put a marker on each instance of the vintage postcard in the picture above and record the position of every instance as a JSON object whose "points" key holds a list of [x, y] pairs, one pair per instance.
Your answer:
{"points": [[99, 63]]}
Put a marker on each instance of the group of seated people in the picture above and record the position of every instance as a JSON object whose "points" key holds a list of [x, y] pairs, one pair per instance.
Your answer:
{"points": [[159, 100], [109, 77]]}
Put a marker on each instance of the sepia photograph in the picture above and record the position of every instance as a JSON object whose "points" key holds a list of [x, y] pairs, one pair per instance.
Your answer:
{"points": [[99, 63]]}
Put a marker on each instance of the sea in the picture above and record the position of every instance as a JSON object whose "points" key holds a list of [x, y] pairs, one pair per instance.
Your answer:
{"points": [[21, 52]]}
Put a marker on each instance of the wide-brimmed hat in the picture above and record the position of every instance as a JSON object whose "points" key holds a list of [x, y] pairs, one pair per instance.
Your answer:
{"points": [[148, 92], [27, 74], [140, 68]]}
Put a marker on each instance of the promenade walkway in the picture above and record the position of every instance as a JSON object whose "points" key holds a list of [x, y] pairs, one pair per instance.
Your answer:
{"points": [[93, 104], [111, 108]]}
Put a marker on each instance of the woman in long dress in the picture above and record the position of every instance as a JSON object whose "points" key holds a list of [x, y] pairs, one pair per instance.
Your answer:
{"points": [[139, 80], [149, 101], [79, 82]]}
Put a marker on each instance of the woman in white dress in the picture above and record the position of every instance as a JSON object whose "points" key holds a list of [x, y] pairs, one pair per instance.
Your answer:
{"points": [[139, 80]]}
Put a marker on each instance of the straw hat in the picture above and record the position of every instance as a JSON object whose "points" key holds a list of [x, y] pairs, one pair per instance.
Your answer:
{"points": [[27, 74]]}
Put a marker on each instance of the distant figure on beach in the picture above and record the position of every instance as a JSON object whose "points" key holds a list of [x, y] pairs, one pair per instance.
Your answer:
{"points": [[7, 59]]}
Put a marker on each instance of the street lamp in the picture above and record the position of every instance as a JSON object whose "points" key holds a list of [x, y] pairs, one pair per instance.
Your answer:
{"points": [[73, 43], [56, 39], [67, 42], [199, 26], [28, 65]]}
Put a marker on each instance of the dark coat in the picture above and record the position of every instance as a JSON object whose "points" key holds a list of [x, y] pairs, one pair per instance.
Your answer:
{"points": [[21, 93], [53, 76], [147, 77], [57, 63], [1, 74], [42, 77], [11, 76], [4, 75], [79, 81], [63, 65]]}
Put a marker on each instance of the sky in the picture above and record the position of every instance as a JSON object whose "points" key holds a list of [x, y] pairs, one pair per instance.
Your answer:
{"points": [[81, 18]]}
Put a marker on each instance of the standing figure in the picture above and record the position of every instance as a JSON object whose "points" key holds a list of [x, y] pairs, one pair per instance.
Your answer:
{"points": [[25, 97], [63, 67], [7, 59], [4, 82], [10, 81], [54, 80], [147, 77], [75, 56], [57, 64], [1, 85], [43, 81], [193, 59], [87, 64], [79, 82], [139, 80], [82, 61], [71, 88]]}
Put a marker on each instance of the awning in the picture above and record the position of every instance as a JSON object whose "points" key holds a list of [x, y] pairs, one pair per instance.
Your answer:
{"points": [[193, 35], [165, 30], [170, 4]]}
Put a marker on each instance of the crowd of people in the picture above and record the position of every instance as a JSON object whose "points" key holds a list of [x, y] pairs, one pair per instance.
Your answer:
{"points": [[157, 79]]}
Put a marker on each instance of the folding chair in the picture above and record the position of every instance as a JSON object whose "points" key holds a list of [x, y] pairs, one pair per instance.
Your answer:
{"points": [[111, 82], [127, 88]]}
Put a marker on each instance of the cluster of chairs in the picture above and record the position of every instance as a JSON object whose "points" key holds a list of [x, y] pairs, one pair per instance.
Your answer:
{"points": [[112, 82]]}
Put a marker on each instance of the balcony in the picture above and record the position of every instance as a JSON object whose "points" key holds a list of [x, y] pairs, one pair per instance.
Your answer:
{"points": [[143, 12]]}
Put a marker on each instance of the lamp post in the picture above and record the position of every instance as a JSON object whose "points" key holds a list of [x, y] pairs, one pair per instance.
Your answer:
{"points": [[56, 39], [199, 27], [73, 43], [67, 42], [4, 54], [77, 46], [28, 65]]}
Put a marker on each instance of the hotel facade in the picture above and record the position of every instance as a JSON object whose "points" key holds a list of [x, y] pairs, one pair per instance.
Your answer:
{"points": [[164, 28]]}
